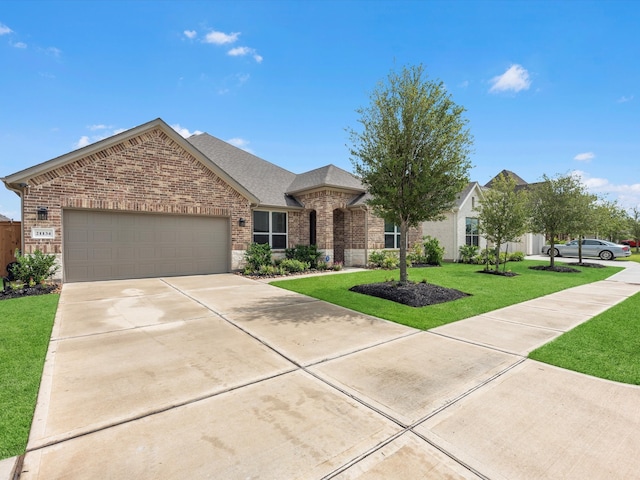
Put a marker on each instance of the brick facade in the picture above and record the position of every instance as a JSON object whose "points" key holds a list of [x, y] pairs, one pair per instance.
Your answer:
{"points": [[146, 173], [152, 171]]}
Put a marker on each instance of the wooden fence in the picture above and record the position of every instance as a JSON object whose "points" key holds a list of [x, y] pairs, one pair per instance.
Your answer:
{"points": [[10, 237]]}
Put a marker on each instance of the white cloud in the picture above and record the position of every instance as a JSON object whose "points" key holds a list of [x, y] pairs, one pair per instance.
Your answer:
{"points": [[516, 78], [53, 51], [105, 132], [240, 143], [83, 142], [19, 45], [190, 34], [464, 84], [242, 51], [628, 195], [4, 30], [220, 38], [184, 131], [624, 99], [585, 157]]}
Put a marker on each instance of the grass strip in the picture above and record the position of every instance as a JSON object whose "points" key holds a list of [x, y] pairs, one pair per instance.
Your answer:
{"points": [[606, 346], [488, 292], [25, 329]]}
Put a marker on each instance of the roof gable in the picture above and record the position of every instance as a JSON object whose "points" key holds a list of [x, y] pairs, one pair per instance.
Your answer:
{"points": [[4, 219], [327, 176], [15, 180], [467, 193], [509, 174]]}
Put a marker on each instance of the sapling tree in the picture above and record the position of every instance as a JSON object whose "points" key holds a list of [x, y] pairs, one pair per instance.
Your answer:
{"points": [[412, 151]]}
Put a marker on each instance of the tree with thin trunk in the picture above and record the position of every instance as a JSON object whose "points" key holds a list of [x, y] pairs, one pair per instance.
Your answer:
{"points": [[502, 213], [583, 213], [412, 153], [634, 226], [554, 205]]}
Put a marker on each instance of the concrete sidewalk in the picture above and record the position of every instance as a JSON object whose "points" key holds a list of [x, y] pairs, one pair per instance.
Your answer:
{"points": [[224, 377]]}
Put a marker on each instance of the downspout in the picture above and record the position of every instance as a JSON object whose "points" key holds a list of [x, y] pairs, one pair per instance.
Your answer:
{"points": [[455, 236]]}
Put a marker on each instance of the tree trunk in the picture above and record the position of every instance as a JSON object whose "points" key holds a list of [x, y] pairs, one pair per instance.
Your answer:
{"points": [[497, 257], [579, 248], [551, 255], [403, 252]]}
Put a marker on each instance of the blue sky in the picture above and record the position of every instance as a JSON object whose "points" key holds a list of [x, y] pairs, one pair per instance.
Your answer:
{"points": [[550, 87]]}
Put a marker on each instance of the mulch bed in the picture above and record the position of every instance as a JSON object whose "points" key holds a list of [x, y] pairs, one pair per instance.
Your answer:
{"points": [[556, 268], [502, 274], [29, 291], [587, 264], [411, 294]]}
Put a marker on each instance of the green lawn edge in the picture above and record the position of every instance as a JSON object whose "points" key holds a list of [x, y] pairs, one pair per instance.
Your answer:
{"points": [[488, 292], [605, 346], [25, 330]]}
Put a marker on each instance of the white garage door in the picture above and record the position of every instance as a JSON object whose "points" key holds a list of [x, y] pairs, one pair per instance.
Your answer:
{"points": [[115, 245]]}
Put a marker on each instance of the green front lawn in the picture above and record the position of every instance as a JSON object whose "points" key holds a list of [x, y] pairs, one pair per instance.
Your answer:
{"points": [[25, 328], [489, 292], [605, 346]]}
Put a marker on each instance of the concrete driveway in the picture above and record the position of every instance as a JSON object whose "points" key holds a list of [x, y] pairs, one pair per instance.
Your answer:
{"points": [[224, 377]]}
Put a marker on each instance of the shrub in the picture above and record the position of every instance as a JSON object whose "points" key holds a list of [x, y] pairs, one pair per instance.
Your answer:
{"points": [[291, 265], [390, 261], [415, 255], [516, 257], [305, 254], [376, 258], [383, 259], [35, 268], [258, 255], [322, 266], [433, 251], [467, 253], [337, 266], [269, 270]]}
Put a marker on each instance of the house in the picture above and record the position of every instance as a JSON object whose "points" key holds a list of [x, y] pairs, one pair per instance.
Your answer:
{"points": [[460, 226], [148, 202]]}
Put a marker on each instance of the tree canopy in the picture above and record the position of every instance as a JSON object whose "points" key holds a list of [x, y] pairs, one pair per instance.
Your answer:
{"points": [[412, 152], [503, 213], [556, 206]]}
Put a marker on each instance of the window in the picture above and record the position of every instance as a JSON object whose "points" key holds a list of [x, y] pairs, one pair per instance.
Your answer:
{"points": [[271, 228], [472, 237], [391, 235]]}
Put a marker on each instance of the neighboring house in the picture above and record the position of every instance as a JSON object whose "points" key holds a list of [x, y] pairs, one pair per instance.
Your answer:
{"points": [[148, 202], [460, 226]]}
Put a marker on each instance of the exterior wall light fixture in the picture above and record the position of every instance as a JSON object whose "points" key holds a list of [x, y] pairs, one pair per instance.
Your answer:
{"points": [[43, 213]]}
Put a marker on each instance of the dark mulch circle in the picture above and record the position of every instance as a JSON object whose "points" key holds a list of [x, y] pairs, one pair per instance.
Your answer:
{"points": [[502, 274], [556, 268], [587, 264], [29, 291], [411, 294]]}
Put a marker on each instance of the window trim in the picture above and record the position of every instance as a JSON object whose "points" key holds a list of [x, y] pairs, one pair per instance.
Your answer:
{"points": [[395, 233], [270, 233], [469, 237]]}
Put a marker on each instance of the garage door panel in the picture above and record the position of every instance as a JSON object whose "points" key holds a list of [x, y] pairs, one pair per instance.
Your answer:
{"points": [[118, 245]]}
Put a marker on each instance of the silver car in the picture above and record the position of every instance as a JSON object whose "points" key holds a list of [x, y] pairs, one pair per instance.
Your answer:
{"points": [[591, 247]]}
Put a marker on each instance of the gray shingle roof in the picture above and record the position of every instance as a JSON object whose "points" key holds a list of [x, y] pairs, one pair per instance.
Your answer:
{"points": [[327, 176], [507, 173], [4, 219], [265, 180]]}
